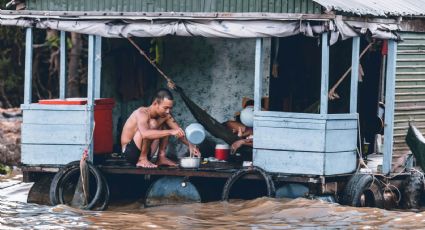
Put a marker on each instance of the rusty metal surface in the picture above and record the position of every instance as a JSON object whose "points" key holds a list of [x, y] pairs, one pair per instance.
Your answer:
{"points": [[413, 25], [376, 7], [39, 192], [224, 171], [214, 170], [170, 171], [40, 168]]}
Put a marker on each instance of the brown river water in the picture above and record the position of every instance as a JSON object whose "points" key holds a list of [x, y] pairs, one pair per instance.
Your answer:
{"points": [[261, 213]]}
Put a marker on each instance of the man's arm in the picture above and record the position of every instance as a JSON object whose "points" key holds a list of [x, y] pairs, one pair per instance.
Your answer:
{"points": [[239, 143], [151, 134], [171, 122]]}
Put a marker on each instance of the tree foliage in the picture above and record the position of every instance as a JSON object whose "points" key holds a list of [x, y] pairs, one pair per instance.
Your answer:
{"points": [[46, 65], [11, 65]]}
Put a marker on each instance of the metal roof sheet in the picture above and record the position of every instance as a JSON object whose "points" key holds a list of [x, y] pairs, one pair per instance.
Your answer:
{"points": [[376, 7]]}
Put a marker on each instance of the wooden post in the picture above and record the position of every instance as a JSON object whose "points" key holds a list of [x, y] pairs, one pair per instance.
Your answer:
{"points": [[258, 72], [325, 75], [90, 94], [355, 62], [91, 71], [62, 75], [389, 106], [97, 65], [28, 67]]}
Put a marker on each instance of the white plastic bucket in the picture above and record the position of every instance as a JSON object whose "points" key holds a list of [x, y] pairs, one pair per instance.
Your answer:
{"points": [[195, 133], [247, 116]]}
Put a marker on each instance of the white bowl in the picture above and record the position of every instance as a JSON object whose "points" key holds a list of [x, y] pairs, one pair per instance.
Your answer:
{"points": [[190, 162]]}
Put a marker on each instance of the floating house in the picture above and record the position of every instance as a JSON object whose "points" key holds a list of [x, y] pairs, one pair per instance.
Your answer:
{"points": [[296, 53]]}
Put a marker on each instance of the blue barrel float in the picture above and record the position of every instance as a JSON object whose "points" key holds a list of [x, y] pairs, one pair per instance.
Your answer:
{"points": [[172, 190]]}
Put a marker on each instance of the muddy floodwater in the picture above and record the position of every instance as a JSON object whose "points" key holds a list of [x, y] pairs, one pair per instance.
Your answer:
{"points": [[261, 213]]}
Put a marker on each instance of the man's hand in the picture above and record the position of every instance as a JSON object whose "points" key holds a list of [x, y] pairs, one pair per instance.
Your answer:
{"points": [[179, 133], [237, 144], [171, 85], [194, 150]]}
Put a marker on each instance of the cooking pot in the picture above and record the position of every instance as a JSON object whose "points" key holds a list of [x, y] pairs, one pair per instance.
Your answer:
{"points": [[190, 162]]}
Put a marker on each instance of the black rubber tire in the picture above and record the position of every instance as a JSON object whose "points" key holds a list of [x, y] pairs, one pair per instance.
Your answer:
{"points": [[271, 191], [54, 200], [76, 170], [104, 202], [102, 189], [362, 190], [413, 189]]}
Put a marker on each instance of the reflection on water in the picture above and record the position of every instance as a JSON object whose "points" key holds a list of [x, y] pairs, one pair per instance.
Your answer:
{"points": [[261, 213], [12, 188], [254, 214], [18, 215]]}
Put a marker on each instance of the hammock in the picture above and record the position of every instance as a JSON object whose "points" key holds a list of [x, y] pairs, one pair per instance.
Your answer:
{"points": [[211, 125]]}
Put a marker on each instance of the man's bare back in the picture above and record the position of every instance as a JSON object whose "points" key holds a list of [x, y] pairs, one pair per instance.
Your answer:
{"points": [[130, 129]]}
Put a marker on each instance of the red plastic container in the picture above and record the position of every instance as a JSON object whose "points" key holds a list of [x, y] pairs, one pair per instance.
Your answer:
{"points": [[222, 151], [103, 139]]}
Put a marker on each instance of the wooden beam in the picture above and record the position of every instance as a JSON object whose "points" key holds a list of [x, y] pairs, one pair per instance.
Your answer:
{"points": [[90, 94], [370, 19], [325, 75], [389, 106], [91, 70], [28, 67], [258, 74], [62, 75], [97, 66], [355, 62]]}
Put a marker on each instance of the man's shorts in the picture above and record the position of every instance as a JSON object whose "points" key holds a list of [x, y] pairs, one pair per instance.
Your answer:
{"points": [[131, 152]]}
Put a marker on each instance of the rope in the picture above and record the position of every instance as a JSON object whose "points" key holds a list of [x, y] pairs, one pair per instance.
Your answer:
{"points": [[170, 83], [83, 163]]}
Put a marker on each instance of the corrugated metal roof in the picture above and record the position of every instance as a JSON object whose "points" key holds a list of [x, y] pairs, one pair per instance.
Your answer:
{"points": [[409, 88], [241, 6], [376, 7]]}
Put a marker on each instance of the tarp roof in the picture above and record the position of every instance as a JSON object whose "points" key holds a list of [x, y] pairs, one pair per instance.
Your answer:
{"points": [[221, 25], [376, 7], [210, 28]]}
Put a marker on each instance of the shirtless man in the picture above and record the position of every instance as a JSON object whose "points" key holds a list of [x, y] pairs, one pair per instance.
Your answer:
{"points": [[242, 131], [148, 128]]}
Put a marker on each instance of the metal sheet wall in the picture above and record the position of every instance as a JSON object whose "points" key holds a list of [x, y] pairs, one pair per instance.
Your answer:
{"points": [[271, 6], [410, 87]]}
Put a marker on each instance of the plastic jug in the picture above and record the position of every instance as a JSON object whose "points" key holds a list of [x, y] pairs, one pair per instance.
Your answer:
{"points": [[195, 133], [247, 116]]}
